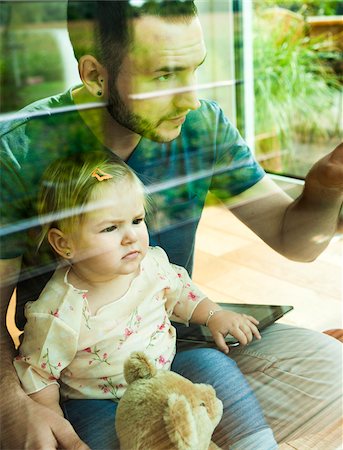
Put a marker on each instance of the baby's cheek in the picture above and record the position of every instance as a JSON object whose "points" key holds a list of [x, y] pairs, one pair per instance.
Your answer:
{"points": [[145, 239]]}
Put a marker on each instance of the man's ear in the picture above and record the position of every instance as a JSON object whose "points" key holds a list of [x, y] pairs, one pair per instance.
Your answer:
{"points": [[61, 243], [93, 76]]}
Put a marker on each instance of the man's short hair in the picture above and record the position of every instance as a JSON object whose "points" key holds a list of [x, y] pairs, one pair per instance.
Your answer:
{"points": [[101, 28]]}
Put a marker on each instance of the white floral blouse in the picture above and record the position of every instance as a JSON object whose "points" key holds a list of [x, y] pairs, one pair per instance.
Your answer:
{"points": [[63, 343]]}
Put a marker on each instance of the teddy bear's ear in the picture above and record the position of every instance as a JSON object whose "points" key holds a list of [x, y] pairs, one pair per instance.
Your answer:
{"points": [[180, 423], [138, 366]]}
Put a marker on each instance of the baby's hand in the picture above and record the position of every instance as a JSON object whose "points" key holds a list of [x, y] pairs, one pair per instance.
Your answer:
{"points": [[241, 326]]}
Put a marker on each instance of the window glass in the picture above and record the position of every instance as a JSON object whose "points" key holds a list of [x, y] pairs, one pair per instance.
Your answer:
{"points": [[297, 81], [38, 60], [217, 18]]}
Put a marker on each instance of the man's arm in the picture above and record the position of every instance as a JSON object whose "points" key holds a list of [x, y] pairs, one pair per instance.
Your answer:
{"points": [[24, 423], [299, 229]]}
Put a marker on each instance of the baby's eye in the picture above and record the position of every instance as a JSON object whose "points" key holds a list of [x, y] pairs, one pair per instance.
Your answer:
{"points": [[109, 229], [138, 221], [203, 404]]}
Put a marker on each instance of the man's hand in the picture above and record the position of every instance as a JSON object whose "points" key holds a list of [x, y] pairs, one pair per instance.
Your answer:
{"points": [[27, 425], [241, 326]]}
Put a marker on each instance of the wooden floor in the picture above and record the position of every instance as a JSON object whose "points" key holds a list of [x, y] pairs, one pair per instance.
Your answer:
{"points": [[233, 265]]}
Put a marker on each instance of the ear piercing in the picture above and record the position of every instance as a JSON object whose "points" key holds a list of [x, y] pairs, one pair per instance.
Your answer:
{"points": [[99, 93], [68, 253]]}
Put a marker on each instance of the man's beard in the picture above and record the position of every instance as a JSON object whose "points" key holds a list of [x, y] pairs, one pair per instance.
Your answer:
{"points": [[121, 114]]}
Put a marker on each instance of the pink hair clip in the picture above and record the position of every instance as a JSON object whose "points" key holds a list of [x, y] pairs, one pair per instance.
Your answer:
{"points": [[100, 175]]}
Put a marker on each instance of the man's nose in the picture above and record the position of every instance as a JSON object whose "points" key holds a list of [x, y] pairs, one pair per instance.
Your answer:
{"points": [[188, 99]]}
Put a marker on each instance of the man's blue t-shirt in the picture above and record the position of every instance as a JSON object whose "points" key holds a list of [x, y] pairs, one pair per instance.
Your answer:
{"points": [[208, 155]]}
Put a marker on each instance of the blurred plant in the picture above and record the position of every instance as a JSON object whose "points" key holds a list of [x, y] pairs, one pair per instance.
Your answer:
{"points": [[30, 63], [306, 7], [295, 87], [39, 55]]}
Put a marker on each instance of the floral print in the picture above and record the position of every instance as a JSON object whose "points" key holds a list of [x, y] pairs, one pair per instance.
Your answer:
{"points": [[108, 387], [48, 365], [85, 312], [159, 329], [97, 356], [64, 342], [22, 358], [54, 313], [132, 327], [162, 361], [192, 296]]}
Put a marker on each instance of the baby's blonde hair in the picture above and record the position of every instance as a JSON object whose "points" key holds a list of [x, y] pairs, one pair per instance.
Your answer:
{"points": [[68, 186]]}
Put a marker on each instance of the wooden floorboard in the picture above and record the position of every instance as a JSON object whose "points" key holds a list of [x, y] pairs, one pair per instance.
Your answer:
{"points": [[330, 438], [234, 265]]}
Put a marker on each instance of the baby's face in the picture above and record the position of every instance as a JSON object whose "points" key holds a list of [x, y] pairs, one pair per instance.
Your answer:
{"points": [[112, 239]]}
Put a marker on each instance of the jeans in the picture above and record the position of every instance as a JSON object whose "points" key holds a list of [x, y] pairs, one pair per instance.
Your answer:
{"points": [[94, 420]]}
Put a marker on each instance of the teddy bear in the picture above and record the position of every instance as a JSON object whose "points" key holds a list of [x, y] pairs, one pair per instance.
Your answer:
{"points": [[161, 410]]}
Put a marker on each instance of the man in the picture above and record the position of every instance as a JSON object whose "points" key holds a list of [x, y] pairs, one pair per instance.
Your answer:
{"points": [[143, 67]]}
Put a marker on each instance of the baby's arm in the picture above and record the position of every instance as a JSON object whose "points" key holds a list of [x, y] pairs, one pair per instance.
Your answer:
{"points": [[222, 322], [49, 397], [190, 304]]}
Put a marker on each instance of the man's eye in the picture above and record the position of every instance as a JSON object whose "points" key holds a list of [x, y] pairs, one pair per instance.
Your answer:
{"points": [[109, 229], [166, 77], [138, 221]]}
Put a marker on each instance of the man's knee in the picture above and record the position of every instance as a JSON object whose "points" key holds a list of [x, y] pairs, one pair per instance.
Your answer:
{"points": [[295, 373], [290, 348]]}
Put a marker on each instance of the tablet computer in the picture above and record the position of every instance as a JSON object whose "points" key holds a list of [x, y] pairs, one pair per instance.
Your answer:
{"points": [[265, 314]]}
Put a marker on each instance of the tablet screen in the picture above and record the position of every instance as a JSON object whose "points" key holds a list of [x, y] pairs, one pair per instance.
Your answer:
{"points": [[265, 314]]}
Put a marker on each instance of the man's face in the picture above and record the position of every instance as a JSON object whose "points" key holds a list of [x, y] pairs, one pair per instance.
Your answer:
{"points": [[162, 59]]}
